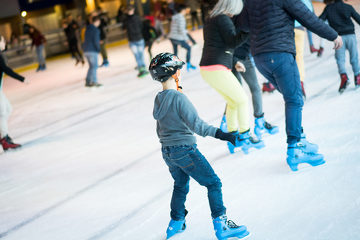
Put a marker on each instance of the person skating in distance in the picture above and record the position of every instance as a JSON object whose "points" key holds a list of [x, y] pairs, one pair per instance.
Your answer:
{"points": [[176, 122]]}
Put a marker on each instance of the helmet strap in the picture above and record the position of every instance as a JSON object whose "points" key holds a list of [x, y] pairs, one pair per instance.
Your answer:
{"points": [[178, 87]]}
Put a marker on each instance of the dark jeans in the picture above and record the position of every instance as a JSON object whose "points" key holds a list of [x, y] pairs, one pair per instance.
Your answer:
{"points": [[251, 79], [185, 162], [281, 70], [75, 51], [183, 44], [194, 18]]}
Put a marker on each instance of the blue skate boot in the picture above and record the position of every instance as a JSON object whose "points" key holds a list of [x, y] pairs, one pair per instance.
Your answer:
{"points": [[245, 141], [189, 67], [308, 147], [225, 229], [223, 127], [261, 127], [297, 154], [175, 227]]}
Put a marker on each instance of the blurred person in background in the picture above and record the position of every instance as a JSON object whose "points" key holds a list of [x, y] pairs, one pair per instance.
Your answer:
{"points": [[38, 40]]}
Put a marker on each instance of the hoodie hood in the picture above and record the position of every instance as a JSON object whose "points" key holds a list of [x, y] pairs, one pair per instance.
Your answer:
{"points": [[163, 102]]}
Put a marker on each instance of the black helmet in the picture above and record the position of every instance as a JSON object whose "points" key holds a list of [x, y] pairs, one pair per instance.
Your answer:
{"points": [[164, 65]]}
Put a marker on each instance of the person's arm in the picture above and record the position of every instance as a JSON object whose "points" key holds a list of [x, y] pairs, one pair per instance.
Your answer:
{"points": [[298, 10], [183, 32], [9, 71], [191, 118], [324, 14], [355, 15], [97, 39], [228, 32]]}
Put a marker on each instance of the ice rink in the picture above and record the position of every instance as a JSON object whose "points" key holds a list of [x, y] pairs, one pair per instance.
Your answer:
{"points": [[91, 166]]}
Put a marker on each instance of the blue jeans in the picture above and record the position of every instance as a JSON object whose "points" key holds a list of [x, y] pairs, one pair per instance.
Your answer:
{"points": [[183, 44], [350, 45], [39, 53], [185, 162], [138, 50], [92, 58], [281, 70]]}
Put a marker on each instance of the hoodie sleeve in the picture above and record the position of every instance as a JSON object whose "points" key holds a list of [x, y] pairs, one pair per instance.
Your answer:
{"points": [[191, 118], [9, 71]]}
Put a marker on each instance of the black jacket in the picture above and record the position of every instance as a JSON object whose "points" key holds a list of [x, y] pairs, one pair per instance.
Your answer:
{"points": [[271, 24], [134, 27], [339, 17], [221, 39], [92, 39], [5, 69]]}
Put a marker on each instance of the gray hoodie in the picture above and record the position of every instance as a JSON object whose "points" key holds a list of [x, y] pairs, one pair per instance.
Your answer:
{"points": [[177, 120]]}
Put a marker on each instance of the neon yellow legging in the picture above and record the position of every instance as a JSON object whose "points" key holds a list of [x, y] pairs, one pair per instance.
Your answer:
{"points": [[299, 44], [237, 110]]}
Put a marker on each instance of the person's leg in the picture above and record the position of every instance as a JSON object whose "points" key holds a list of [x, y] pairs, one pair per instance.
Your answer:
{"points": [[5, 111], [181, 179], [237, 111], [88, 75], [134, 49], [354, 58], [340, 56], [194, 164], [299, 44], [41, 55], [104, 53], [191, 39], [193, 17], [251, 79], [175, 44], [141, 49], [186, 46], [309, 35], [281, 70]]}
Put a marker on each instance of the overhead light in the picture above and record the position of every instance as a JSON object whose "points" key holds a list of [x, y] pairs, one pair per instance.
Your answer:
{"points": [[23, 13]]}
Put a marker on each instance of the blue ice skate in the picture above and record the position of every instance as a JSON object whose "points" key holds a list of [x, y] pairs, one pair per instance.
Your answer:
{"points": [[223, 124], [225, 229], [245, 141], [297, 154], [175, 227], [261, 127], [308, 147], [189, 67]]}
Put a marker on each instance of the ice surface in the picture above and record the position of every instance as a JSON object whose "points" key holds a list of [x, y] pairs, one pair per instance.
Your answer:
{"points": [[91, 166]]}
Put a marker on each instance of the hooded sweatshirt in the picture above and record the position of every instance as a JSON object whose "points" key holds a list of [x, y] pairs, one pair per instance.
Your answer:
{"points": [[177, 120]]}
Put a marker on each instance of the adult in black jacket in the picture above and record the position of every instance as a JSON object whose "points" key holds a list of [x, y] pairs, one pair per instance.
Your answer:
{"points": [[134, 28], [271, 26], [71, 29], [216, 63], [5, 106], [339, 17]]}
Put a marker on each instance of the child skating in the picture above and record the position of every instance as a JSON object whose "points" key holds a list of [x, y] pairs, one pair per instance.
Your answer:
{"points": [[177, 121]]}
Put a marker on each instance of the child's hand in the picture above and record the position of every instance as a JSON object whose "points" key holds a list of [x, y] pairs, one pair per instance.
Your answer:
{"points": [[338, 43], [225, 136], [240, 67]]}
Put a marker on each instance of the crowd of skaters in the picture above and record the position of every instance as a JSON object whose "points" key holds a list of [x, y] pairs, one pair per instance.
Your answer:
{"points": [[236, 42]]}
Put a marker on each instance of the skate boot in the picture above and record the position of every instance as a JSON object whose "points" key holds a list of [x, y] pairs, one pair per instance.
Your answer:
{"points": [[296, 155], [344, 82], [142, 72], [189, 67], [245, 141], [357, 80], [268, 87], [175, 227], [313, 49], [320, 52], [261, 127], [308, 146], [225, 229], [7, 143]]}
